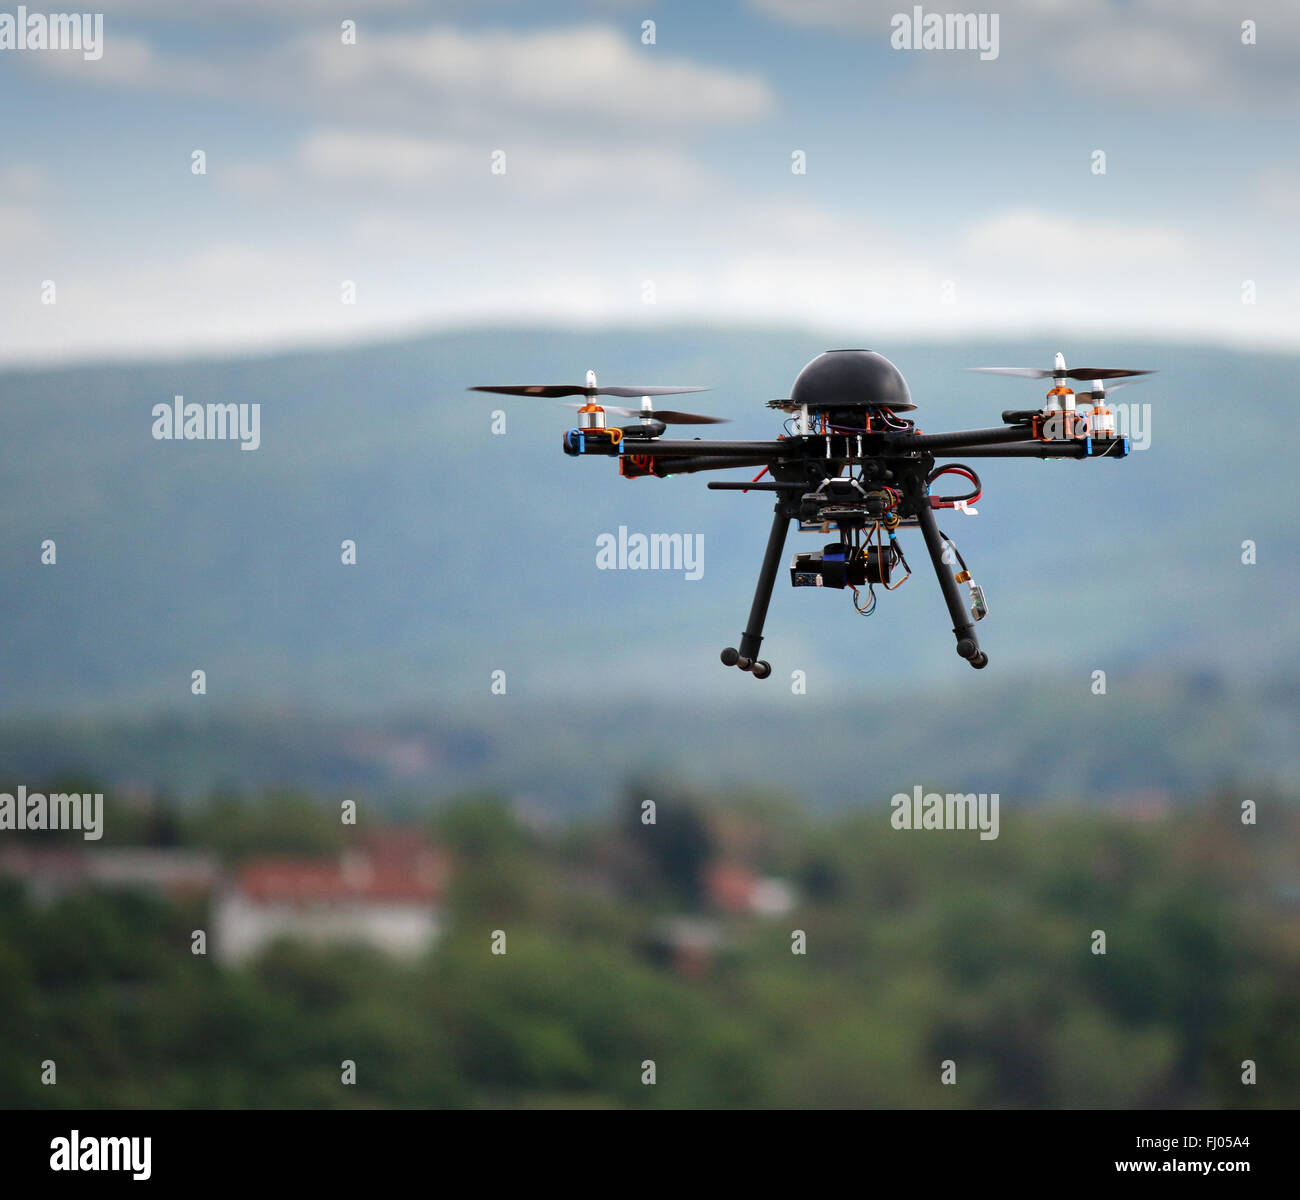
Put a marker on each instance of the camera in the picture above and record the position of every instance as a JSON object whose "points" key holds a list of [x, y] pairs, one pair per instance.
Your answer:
{"points": [[839, 565]]}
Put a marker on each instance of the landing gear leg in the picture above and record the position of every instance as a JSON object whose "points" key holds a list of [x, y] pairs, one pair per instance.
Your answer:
{"points": [[746, 658], [963, 629]]}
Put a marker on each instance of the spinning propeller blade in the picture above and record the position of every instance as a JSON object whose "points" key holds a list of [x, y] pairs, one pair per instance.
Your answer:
{"points": [[1101, 390], [1090, 373], [573, 389], [1087, 374], [669, 416], [1020, 372], [1058, 372], [589, 389], [647, 391], [535, 389]]}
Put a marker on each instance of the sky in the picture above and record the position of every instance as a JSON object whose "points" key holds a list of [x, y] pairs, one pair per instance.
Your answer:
{"points": [[506, 162]]}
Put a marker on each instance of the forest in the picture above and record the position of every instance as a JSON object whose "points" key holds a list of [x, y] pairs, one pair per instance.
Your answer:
{"points": [[910, 968]]}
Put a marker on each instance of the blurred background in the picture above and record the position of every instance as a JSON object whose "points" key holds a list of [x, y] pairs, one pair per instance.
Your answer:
{"points": [[347, 215]]}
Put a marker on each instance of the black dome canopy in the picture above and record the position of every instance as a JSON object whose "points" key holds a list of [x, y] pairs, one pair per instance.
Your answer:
{"points": [[851, 379]]}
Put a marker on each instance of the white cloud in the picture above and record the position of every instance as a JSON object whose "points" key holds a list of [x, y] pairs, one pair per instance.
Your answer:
{"points": [[1147, 62], [867, 15], [224, 295], [132, 63], [631, 173], [397, 168], [790, 263], [388, 181], [378, 157], [20, 227], [278, 10], [1169, 51], [1278, 188], [1050, 242], [588, 71]]}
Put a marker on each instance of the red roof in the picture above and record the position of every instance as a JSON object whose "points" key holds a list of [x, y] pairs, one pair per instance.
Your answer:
{"points": [[730, 887], [391, 869]]}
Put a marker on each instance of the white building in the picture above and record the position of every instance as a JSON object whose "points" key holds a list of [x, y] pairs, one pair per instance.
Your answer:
{"points": [[387, 895]]}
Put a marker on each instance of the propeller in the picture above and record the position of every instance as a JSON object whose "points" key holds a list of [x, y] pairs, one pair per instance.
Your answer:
{"points": [[669, 416], [1059, 372], [588, 389], [572, 389], [1085, 373], [1099, 390]]}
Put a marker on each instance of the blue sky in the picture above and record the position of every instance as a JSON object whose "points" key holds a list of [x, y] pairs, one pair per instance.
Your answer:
{"points": [[944, 195]]}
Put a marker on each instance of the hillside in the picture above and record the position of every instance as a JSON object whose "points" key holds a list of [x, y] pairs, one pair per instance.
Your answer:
{"points": [[477, 552]]}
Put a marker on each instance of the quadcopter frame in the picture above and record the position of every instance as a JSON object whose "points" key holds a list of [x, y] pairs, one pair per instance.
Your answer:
{"points": [[854, 463], [802, 467]]}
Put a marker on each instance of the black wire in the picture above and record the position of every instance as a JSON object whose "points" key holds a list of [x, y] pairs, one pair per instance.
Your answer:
{"points": [[938, 471], [950, 542]]}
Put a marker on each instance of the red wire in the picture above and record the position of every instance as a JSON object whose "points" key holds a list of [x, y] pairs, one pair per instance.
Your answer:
{"points": [[955, 470]]}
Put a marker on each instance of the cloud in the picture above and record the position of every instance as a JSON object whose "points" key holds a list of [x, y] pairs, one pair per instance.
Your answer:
{"points": [[279, 10], [1163, 51], [789, 262], [1278, 188], [373, 163], [591, 72], [132, 63], [1275, 16], [20, 227], [379, 157], [222, 295], [1045, 241], [382, 168]]}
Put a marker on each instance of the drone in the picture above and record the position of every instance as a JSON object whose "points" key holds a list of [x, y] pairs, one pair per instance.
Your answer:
{"points": [[850, 465]]}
